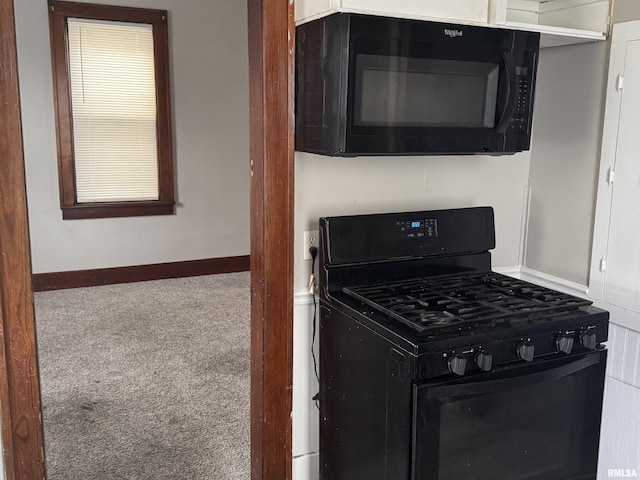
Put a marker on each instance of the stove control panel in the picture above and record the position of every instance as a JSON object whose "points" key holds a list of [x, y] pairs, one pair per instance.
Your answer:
{"points": [[427, 233], [418, 228], [485, 357], [457, 361]]}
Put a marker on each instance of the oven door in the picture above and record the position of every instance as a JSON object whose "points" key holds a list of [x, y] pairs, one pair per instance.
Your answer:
{"points": [[536, 421]]}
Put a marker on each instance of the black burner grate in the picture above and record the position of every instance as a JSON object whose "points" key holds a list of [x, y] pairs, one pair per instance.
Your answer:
{"points": [[485, 299]]}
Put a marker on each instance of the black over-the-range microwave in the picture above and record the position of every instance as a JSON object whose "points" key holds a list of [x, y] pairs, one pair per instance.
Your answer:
{"points": [[371, 85]]}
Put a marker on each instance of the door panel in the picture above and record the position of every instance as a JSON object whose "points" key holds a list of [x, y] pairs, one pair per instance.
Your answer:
{"points": [[622, 279]]}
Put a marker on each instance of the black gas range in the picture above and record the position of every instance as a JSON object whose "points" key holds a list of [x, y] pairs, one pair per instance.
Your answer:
{"points": [[432, 366]]}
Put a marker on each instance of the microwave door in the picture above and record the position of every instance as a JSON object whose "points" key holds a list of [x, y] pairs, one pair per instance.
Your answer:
{"points": [[510, 92], [406, 93]]}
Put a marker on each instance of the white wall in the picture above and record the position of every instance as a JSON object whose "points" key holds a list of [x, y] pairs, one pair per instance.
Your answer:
{"points": [[209, 64], [619, 440], [567, 131], [620, 436], [340, 186], [304, 414]]}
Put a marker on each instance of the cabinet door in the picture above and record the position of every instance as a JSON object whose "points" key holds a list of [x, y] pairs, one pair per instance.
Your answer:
{"points": [[615, 273], [465, 11]]}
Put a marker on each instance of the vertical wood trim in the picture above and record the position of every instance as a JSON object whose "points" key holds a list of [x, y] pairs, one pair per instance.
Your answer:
{"points": [[163, 122], [271, 49], [7, 438], [62, 109], [21, 417]]}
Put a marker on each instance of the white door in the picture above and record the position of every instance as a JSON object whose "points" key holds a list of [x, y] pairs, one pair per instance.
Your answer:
{"points": [[615, 273], [622, 272]]}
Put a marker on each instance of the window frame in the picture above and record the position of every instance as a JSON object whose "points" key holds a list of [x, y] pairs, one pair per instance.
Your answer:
{"points": [[59, 12]]}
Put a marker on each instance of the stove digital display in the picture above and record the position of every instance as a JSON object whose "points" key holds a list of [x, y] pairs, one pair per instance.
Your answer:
{"points": [[418, 228]]}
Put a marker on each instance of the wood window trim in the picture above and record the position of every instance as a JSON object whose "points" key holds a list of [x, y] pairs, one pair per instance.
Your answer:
{"points": [[58, 13]]}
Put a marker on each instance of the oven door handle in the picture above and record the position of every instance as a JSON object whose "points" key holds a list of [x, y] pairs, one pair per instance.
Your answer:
{"points": [[512, 92], [511, 383]]}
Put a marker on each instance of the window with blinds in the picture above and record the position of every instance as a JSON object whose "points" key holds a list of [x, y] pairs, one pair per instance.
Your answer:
{"points": [[111, 78], [113, 104]]}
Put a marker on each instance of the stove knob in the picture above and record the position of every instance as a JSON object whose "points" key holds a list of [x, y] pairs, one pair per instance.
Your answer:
{"points": [[588, 340], [564, 343], [525, 351], [484, 361], [457, 365]]}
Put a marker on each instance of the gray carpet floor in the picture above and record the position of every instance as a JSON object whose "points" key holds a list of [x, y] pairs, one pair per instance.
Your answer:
{"points": [[146, 380]]}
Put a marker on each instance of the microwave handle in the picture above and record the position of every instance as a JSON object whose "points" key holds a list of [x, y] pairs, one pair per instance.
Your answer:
{"points": [[512, 92]]}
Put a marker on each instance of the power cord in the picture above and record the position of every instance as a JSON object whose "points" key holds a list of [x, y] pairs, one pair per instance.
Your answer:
{"points": [[312, 290]]}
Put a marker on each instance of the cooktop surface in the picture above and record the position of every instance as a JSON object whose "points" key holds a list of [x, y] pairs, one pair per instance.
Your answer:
{"points": [[471, 300]]}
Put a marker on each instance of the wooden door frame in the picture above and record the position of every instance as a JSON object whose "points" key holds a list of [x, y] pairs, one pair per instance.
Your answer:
{"points": [[271, 79], [271, 39], [19, 387]]}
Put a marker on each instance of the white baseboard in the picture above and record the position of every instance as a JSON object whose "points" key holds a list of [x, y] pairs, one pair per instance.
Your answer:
{"points": [[301, 297], [306, 467], [553, 282], [510, 271]]}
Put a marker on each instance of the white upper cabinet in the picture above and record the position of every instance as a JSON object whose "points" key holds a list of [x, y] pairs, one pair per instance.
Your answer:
{"points": [[561, 22], [459, 11]]}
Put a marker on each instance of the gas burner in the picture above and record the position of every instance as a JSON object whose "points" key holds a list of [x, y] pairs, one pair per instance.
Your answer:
{"points": [[477, 299]]}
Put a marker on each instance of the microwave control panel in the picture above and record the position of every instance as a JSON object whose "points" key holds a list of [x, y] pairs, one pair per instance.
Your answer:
{"points": [[520, 121]]}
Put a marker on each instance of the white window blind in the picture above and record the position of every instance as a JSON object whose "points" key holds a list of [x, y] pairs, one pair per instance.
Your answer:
{"points": [[113, 104]]}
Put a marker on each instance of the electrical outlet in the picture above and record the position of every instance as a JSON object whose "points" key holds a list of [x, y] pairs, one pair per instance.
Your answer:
{"points": [[310, 240]]}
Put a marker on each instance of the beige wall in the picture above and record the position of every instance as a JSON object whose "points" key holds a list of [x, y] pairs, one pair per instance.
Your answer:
{"points": [[211, 136], [569, 106], [626, 10]]}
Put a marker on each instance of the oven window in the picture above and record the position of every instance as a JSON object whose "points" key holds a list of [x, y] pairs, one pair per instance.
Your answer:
{"points": [[398, 91], [528, 423]]}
